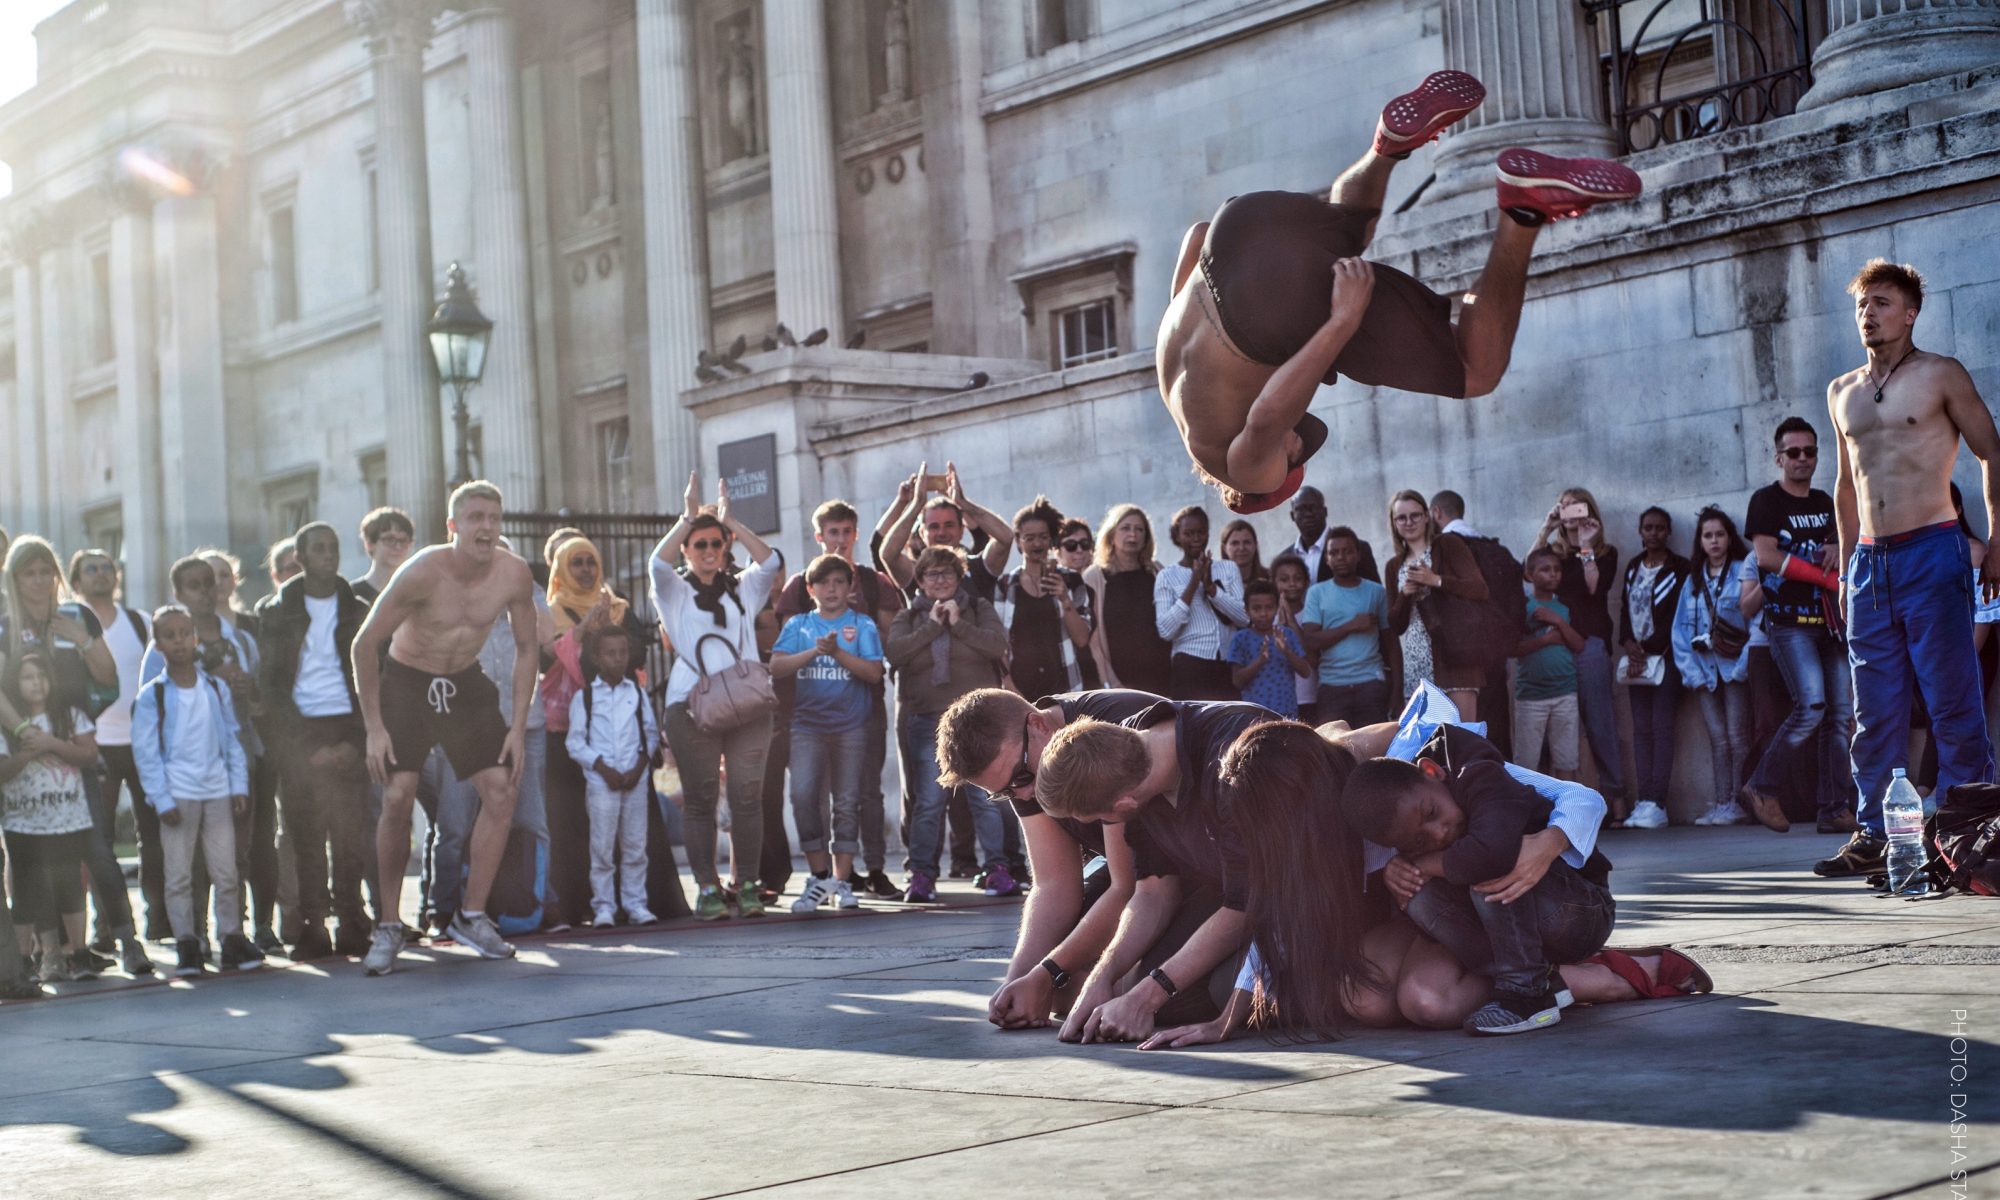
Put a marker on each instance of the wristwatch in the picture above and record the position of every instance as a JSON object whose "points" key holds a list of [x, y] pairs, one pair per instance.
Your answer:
{"points": [[1056, 973]]}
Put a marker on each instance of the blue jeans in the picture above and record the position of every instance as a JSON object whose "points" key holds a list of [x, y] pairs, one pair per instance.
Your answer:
{"points": [[1564, 919], [457, 809], [1909, 623], [1726, 711], [1653, 712], [916, 735], [1816, 732], [1596, 700], [824, 763]]}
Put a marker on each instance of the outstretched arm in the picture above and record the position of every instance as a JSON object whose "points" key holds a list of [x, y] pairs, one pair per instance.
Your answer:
{"points": [[1257, 458]]}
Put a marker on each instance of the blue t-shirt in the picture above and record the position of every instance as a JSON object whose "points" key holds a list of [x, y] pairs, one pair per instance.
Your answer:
{"points": [[1356, 658], [1551, 671], [830, 699], [1273, 687]]}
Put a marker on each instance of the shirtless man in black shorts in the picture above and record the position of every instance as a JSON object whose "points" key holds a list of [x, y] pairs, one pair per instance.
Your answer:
{"points": [[1272, 298], [430, 691]]}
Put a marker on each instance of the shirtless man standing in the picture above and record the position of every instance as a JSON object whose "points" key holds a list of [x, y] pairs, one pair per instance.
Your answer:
{"points": [[1271, 299], [436, 615], [1908, 589]]}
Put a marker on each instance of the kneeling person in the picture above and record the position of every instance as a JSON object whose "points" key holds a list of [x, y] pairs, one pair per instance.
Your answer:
{"points": [[1456, 817]]}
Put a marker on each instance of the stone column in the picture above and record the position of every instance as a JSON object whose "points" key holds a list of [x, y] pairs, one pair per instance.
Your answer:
{"points": [[507, 403], [676, 260], [396, 32], [957, 177], [26, 435], [1875, 45], [805, 212], [138, 444], [1539, 64], [58, 457], [193, 404]]}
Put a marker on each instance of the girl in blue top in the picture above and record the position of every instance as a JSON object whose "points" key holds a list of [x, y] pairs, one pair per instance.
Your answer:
{"points": [[1712, 595]]}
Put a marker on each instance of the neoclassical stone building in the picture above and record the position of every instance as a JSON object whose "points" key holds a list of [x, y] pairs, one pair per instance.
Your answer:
{"points": [[231, 219]]}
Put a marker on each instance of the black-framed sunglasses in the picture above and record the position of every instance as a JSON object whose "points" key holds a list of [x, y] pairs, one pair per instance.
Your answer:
{"points": [[1077, 544], [1797, 452], [1024, 773], [706, 544]]}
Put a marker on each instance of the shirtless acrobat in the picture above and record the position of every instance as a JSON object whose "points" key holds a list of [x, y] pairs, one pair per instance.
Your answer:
{"points": [[1908, 589], [435, 616], [1271, 298]]}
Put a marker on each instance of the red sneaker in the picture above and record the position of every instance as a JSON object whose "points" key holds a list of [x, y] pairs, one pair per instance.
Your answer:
{"points": [[1414, 118], [1546, 188]]}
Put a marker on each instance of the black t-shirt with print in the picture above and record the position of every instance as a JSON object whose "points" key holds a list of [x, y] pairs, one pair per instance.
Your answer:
{"points": [[1803, 526]]}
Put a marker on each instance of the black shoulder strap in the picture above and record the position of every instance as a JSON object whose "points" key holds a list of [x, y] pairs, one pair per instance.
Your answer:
{"points": [[589, 686], [160, 702], [138, 625]]}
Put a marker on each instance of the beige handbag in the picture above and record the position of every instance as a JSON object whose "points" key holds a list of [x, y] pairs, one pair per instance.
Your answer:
{"points": [[733, 696]]}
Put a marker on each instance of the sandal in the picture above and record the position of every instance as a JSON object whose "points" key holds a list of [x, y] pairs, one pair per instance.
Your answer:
{"points": [[1679, 974]]}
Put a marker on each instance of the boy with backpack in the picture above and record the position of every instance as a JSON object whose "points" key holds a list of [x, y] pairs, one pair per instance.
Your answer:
{"points": [[613, 737]]}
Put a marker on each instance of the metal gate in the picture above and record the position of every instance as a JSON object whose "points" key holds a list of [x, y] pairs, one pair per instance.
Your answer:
{"points": [[625, 542]]}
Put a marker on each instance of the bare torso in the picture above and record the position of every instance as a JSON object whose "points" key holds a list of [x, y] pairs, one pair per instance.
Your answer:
{"points": [[1900, 451], [1207, 382], [449, 605]]}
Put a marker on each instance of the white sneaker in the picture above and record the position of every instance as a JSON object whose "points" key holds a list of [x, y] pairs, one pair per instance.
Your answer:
{"points": [[604, 918], [818, 891], [642, 916], [1646, 815], [844, 897], [481, 934], [383, 948], [1722, 812]]}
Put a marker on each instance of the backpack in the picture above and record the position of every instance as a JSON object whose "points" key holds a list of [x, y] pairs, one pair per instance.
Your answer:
{"points": [[1962, 841], [1504, 614], [160, 701]]}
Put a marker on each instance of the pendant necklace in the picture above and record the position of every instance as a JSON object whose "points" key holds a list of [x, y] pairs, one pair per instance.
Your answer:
{"points": [[1885, 378]]}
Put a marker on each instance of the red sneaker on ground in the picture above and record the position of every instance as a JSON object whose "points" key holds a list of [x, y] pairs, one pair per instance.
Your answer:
{"points": [[1414, 118], [1553, 188]]}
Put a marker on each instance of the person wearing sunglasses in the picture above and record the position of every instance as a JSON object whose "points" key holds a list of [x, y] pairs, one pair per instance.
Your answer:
{"points": [[1791, 527], [1046, 609]]}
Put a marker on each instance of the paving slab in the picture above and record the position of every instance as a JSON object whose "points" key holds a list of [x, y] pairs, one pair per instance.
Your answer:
{"points": [[849, 1055]]}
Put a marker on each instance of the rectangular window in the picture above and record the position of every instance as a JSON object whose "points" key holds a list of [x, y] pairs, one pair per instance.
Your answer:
{"points": [[374, 224], [284, 268], [104, 529], [375, 477], [1086, 333], [614, 465], [1060, 21], [291, 502], [101, 347]]}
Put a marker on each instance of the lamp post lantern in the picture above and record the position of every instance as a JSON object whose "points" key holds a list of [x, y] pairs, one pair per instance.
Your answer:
{"points": [[458, 334]]}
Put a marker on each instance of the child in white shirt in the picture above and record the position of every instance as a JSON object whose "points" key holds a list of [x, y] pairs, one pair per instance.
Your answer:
{"points": [[612, 736]]}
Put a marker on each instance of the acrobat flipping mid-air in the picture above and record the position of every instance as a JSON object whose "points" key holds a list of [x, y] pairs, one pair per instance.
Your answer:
{"points": [[1271, 299]]}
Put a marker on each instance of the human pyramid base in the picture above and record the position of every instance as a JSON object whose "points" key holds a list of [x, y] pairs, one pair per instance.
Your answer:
{"points": [[1299, 797]]}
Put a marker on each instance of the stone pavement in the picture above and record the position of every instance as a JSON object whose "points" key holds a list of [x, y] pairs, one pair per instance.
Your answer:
{"points": [[843, 1055]]}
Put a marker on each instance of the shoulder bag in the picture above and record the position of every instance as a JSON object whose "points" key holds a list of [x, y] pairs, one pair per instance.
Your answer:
{"points": [[733, 696]]}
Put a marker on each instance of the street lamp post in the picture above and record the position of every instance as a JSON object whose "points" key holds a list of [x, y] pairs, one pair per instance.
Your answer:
{"points": [[458, 333]]}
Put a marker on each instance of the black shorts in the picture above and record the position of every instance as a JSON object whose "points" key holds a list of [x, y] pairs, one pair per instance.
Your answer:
{"points": [[1269, 261], [459, 712]]}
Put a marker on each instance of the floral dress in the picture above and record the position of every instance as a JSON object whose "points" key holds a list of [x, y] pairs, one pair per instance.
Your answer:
{"points": [[1418, 664]]}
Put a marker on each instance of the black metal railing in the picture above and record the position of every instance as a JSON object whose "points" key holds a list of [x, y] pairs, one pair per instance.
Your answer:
{"points": [[1691, 68], [625, 542]]}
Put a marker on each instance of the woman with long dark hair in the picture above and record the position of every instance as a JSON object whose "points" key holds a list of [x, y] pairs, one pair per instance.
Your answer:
{"points": [[1711, 610]]}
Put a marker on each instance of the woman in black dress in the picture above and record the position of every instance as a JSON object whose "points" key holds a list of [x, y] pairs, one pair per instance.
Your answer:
{"points": [[1129, 649]]}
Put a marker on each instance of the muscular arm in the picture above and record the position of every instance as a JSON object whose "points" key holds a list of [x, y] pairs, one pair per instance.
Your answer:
{"points": [[1975, 424], [1191, 243], [525, 620], [1846, 506], [1144, 918], [385, 616], [1256, 459]]}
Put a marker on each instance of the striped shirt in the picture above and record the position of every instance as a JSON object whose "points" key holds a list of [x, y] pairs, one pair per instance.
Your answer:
{"points": [[1200, 628]]}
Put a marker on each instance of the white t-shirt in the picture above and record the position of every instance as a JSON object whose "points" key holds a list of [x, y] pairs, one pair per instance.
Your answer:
{"points": [[195, 771], [128, 649], [48, 796], [686, 625], [321, 688]]}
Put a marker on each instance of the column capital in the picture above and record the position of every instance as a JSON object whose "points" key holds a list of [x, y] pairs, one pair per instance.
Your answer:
{"points": [[393, 27], [29, 232]]}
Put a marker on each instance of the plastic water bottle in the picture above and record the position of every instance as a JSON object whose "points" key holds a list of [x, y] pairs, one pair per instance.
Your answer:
{"points": [[1903, 815]]}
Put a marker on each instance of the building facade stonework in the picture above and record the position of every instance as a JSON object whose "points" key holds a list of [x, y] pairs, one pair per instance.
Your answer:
{"points": [[231, 218]]}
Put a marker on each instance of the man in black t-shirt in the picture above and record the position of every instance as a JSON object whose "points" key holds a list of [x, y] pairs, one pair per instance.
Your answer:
{"points": [[992, 740], [1154, 775], [1791, 525]]}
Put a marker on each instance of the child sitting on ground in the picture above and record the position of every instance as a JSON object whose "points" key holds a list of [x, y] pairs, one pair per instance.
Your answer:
{"points": [[1456, 818], [837, 655], [612, 736], [1267, 660], [191, 761]]}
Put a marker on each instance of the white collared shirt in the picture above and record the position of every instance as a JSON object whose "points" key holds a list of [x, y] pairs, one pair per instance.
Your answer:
{"points": [[620, 728], [1200, 628]]}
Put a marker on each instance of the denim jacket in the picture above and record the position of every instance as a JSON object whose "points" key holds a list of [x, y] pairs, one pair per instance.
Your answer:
{"points": [[1702, 668], [153, 737]]}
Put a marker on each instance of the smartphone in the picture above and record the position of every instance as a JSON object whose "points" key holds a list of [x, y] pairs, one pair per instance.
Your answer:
{"points": [[934, 482], [1575, 512]]}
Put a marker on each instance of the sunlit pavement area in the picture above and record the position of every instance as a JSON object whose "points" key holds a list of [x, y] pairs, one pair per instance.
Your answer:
{"points": [[843, 1054]]}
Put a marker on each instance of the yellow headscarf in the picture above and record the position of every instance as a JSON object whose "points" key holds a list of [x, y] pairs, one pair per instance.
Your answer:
{"points": [[567, 598]]}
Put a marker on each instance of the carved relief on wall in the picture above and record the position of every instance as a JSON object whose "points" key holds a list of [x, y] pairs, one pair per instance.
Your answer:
{"points": [[738, 88], [895, 54]]}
